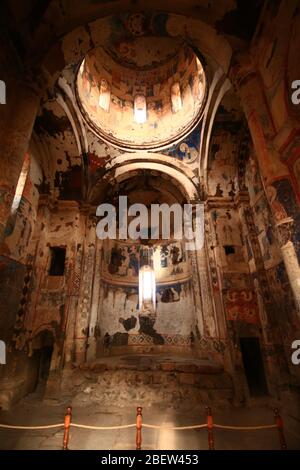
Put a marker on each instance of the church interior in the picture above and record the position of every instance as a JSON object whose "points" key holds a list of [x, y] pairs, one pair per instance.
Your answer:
{"points": [[174, 102]]}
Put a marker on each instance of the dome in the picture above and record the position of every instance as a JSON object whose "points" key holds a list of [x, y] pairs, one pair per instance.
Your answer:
{"points": [[147, 93]]}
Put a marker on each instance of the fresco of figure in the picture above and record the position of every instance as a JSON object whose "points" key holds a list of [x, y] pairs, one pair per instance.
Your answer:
{"points": [[278, 209]]}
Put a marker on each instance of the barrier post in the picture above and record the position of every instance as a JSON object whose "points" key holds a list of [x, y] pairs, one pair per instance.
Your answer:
{"points": [[67, 423], [279, 424], [139, 420], [210, 434]]}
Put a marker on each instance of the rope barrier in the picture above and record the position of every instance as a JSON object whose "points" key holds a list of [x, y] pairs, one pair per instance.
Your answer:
{"points": [[49, 426], [245, 428], [103, 428], [209, 425], [175, 428], [149, 426]]}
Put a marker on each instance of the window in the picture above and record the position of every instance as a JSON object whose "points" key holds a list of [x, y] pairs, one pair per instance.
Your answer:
{"points": [[140, 109], [147, 291], [229, 250], [57, 263], [104, 99], [21, 184], [253, 366], [176, 97]]}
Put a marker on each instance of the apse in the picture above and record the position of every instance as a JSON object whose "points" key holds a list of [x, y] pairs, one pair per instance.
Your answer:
{"points": [[146, 290]]}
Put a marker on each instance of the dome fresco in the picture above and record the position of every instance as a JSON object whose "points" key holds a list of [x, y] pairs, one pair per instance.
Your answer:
{"points": [[145, 94]]}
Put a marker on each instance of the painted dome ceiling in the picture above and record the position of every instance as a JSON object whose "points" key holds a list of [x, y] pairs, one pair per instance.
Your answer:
{"points": [[146, 93]]}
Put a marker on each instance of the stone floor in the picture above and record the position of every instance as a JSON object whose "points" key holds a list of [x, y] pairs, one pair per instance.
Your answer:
{"points": [[173, 391], [170, 380], [33, 411]]}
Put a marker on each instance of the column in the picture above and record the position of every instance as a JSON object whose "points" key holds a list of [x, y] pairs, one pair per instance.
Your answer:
{"points": [[275, 174], [17, 118]]}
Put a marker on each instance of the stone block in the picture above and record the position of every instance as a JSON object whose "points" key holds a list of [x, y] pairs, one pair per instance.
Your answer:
{"points": [[186, 378], [98, 367], [168, 366]]}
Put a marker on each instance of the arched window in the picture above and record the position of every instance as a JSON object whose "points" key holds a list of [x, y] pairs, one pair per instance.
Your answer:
{"points": [[21, 184], [147, 291], [104, 99], [176, 97], [140, 109]]}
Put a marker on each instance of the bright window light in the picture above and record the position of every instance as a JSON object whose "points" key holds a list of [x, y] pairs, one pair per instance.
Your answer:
{"points": [[140, 109], [147, 298], [21, 184], [104, 98], [176, 97]]}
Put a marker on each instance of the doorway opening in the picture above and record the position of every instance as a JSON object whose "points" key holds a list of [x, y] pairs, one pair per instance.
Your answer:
{"points": [[253, 366], [43, 356]]}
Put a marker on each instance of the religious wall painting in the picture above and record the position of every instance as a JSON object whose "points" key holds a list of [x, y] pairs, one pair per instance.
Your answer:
{"points": [[277, 61], [226, 222], [234, 256], [252, 178], [97, 164], [188, 149], [127, 26], [119, 261], [222, 166], [236, 281], [292, 63], [296, 173], [169, 294], [241, 305], [282, 294], [123, 261], [133, 265], [131, 80], [164, 251], [265, 233], [6, 199]]}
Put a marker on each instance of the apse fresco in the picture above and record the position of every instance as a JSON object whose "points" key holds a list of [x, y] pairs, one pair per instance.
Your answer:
{"points": [[123, 261]]}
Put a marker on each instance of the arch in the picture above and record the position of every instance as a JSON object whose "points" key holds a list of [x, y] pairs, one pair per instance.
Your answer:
{"points": [[122, 166]]}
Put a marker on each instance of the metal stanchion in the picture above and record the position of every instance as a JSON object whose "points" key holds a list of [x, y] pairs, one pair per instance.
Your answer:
{"points": [[279, 424], [139, 420], [210, 434], [67, 423]]}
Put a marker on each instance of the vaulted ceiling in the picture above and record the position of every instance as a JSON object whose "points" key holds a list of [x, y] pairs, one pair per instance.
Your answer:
{"points": [[125, 42]]}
